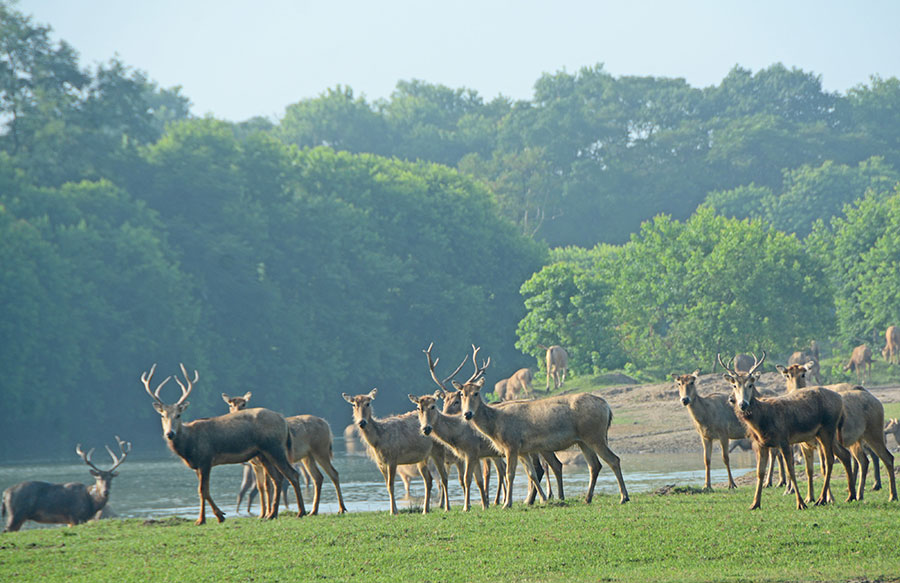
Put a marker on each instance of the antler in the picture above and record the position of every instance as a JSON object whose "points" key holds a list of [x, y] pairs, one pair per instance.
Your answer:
{"points": [[185, 391], [145, 378], [433, 363], [757, 363], [86, 458], [124, 447], [479, 371], [719, 357]]}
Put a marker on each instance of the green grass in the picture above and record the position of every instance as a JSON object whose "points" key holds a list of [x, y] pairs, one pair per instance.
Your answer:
{"points": [[690, 536]]}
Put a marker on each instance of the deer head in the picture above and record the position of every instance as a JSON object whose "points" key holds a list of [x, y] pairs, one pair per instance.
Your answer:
{"points": [[104, 477], [743, 384], [687, 388], [362, 407], [170, 414]]}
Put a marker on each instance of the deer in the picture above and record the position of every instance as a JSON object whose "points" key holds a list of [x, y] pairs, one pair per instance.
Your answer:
{"points": [[808, 356], [713, 418], [517, 386], [397, 440], [557, 360], [893, 428], [311, 444], [891, 350], [863, 426], [861, 362], [228, 439], [71, 503], [548, 424], [798, 417]]}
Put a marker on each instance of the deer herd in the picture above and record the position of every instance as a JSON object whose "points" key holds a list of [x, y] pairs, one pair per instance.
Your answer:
{"points": [[472, 433]]}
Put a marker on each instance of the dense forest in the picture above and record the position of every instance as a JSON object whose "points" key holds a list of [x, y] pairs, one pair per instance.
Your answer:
{"points": [[643, 223]]}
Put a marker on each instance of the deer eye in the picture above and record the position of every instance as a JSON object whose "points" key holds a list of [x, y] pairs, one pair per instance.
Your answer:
{"points": [[432, 407]]}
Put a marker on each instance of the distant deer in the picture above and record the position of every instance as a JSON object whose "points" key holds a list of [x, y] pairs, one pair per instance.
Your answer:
{"points": [[742, 362], [70, 503], [802, 357], [228, 439], [518, 386], [557, 364], [311, 444], [861, 362], [397, 440], [782, 421], [863, 425], [549, 424], [891, 350], [893, 428]]}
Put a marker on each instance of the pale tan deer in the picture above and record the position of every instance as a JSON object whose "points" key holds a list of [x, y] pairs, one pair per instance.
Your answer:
{"points": [[781, 421], [397, 440], [229, 439], [891, 350], [713, 418], [518, 386], [549, 424], [311, 445], [863, 425], [557, 360], [861, 362], [71, 503], [893, 428]]}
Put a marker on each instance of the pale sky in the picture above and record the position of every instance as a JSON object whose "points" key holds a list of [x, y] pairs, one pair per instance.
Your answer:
{"points": [[238, 59]]}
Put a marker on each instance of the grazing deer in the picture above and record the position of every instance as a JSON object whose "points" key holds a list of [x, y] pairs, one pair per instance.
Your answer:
{"points": [[891, 350], [311, 444], [397, 440], [861, 362], [781, 421], [71, 503], [229, 439], [557, 364], [713, 418], [863, 425], [518, 386], [549, 424]]}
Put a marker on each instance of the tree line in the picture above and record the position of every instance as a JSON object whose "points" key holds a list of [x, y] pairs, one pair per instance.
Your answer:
{"points": [[638, 221]]}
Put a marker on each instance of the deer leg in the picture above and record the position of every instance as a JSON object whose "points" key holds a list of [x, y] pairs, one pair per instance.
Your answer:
{"points": [[204, 485], [390, 474], [273, 487], [486, 473], [771, 470], [500, 464], [707, 453], [594, 465], [612, 460], [724, 442], [335, 479], [876, 468], [278, 458], [782, 470], [466, 474], [442, 474], [533, 476], [262, 487], [788, 455], [762, 460], [809, 455], [876, 443], [311, 470], [862, 463], [556, 467], [512, 458], [479, 481], [426, 477], [847, 461]]}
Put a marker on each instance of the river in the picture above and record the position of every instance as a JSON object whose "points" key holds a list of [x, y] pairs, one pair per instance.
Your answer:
{"points": [[159, 488]]}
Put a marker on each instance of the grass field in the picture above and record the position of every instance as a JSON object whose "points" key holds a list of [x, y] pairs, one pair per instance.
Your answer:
{"points": [[685, 536]]}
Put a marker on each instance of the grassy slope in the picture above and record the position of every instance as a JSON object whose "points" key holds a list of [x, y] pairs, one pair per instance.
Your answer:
{"points": [[680, 537]]}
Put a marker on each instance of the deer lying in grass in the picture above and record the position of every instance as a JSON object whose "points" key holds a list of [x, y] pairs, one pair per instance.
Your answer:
{"points": [[781, 421], [549, 424], [311, 444], [863, 426], [397, 440], [71, 503], [229, 439]]}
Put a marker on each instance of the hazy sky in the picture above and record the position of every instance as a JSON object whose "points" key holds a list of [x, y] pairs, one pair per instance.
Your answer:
{"points": [[239, 59]]}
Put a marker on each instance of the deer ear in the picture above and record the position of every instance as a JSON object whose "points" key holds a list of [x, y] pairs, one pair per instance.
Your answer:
{"points": [[696, 373], [728, 377], [347, 397], [756, 375], [225, 398], [439, 394], [247, 395], [158, 407], [456, 385], [414, 399], [674, 375], [184, 405], [94, 473], [479, 383], [809, 365], [780, 368], [372, 393]]}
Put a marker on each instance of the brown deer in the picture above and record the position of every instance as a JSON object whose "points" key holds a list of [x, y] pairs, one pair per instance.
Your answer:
{"points": [[557, 360], [518, 386], [549, 424], [861, 362], [810, 355], [891, 350], [782, 421], [713, 418], [229, 439], [311, 444], [71, 503], [397, 440], [863, 425]]}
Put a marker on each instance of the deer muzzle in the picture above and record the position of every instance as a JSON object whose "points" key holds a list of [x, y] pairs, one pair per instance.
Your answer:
{"points": [[427, 430], [744, 405], [467, 415], [170, 435], [362, 423], [685, 401]]}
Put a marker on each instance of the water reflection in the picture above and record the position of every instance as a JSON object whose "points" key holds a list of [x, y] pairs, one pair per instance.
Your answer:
{"points": [[166, 487]]}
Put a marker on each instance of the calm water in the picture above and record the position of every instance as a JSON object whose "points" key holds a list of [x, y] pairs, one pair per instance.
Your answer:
{"points": [[166, 487]]}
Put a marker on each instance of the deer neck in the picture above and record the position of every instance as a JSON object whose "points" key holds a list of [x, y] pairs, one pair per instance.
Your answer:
{"points": [[485, 418], [448, 427], [98, 499], [371, 432]]}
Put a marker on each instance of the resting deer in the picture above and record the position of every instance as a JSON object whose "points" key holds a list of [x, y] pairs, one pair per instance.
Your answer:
{"points": [[861, 362], [713, 418], [782, 421], [311, 444], [863, 425], [229, 439], [891, 350], [397, 440], [557, 360], [70, 503], [549, 424]]}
